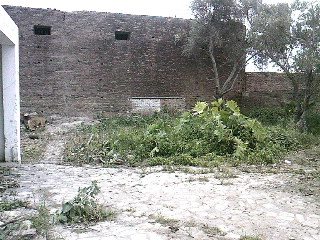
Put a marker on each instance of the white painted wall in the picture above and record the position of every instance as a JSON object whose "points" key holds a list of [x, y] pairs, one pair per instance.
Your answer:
{"points": [[9, 40], [1, 112]]}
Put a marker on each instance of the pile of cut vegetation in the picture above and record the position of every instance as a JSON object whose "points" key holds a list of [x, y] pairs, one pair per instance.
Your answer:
{"points": [[206, 136]]}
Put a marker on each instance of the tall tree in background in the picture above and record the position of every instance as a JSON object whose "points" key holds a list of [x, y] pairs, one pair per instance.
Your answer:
{"points": [[289, 37], [219, 32]]}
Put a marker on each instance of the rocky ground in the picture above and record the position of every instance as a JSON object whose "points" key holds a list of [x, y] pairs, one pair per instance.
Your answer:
{"points": [[272, 203]]}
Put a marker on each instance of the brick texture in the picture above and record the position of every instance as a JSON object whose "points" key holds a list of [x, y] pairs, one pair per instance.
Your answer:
{"points": [[265, 89]]}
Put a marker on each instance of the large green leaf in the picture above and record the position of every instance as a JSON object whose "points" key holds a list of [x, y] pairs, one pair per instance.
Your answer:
{"points": [[241, 147], [233, 106], [66, 207], [257, 129], [218, 103], [200, 107]]}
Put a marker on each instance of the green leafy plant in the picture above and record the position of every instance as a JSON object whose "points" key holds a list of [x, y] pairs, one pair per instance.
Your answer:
{"points": [[84, 208], [247, 237], [6, 205], [43, 221], [213, 231], [208, 135]]}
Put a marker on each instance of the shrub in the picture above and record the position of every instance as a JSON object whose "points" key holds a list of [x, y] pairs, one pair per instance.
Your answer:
{"points": [[273, 116], [313, 123], [207, 135], [42, 221], [84, 208]]}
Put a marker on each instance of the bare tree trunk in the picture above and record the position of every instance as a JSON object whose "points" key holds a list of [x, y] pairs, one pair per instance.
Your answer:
{"points": [[302, 122], [304, 105], [228, 85], [215, 70]]}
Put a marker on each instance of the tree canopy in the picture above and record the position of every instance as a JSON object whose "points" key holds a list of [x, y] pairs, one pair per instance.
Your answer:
{"points": [[219, 31], [231, 32], [289, 37]]}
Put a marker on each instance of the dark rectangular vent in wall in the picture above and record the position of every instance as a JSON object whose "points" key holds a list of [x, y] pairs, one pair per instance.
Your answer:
{"points": [[42, 30], [119, 35]]}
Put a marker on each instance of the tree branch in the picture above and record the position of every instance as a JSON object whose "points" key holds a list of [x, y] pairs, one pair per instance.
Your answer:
{"points": [[214, 67], [236, 71]]}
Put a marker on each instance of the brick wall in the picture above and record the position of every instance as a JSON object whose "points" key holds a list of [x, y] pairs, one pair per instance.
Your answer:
{"points": [[265, 89], [80, 69]]}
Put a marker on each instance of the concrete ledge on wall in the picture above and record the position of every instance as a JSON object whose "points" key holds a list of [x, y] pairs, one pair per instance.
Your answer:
{"points": [[149, 105]]}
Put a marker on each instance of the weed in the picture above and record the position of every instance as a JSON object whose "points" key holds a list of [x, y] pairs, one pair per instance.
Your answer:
{"points": [[8, 179], [84, 208], [313, 123], [190, 224], [272, 116], [32, 152], [6, 205], [213, 231], [196, 170], [199, 179], [169, 222], [299, 171], [225, 183], [132, 210], [224, 173], [42, 221], [247, 237], [208, 136]]}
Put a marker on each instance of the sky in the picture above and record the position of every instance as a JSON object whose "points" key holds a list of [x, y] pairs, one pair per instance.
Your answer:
{"points": [[165, 8]]}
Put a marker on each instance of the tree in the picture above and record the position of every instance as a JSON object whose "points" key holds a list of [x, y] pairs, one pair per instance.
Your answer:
{"points": [[289, 37], [219, 31]]}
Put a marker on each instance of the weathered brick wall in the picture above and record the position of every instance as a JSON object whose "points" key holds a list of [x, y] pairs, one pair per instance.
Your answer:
{"points": [[80, 69], [266, 82], [265, 89]]}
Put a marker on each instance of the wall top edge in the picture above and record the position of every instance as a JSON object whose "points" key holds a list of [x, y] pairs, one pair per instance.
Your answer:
{"points": [[96, 12]]}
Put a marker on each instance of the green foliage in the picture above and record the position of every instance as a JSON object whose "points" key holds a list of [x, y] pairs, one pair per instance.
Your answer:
{"points": [[6, 205], [206, 136], [218, 27], [282, 136], [283, 117], [42, 221], [84, 208], [213, 231], [273, 116], [288, 36], [313, 123], [247, 237]]}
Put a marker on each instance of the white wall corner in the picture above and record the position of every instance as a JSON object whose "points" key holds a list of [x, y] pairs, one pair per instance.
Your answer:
{"points": [[9, 40]]}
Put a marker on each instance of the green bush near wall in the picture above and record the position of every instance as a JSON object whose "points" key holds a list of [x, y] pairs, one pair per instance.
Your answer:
{"points": [[207, 135]]}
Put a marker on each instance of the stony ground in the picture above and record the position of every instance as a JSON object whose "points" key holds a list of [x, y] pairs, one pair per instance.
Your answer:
{"points": [[272, 203]]}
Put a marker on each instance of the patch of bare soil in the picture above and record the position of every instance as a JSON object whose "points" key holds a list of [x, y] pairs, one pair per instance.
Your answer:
{"points": [[46, 145], [272, 203]]}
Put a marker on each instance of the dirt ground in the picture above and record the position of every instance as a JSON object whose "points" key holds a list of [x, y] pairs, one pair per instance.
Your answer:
{"points": [[273, 203]]}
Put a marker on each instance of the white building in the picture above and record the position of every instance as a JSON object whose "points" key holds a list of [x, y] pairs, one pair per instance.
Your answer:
{"points": [[9, 90]]}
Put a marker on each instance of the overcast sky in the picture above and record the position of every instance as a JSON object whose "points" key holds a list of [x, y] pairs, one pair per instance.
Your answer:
{"points": [[165, 8]]}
